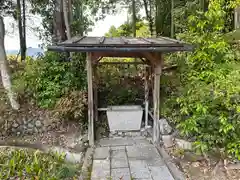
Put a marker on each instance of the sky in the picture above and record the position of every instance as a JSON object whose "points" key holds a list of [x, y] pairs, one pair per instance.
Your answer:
{"points": [[12, 38]]}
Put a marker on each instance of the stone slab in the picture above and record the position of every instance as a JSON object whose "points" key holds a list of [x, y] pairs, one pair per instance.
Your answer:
{"points": [[100, 170], [101, 153], [133, 134], [139, 169], [160, 172], [119, 154], [116, 148], [116, 142], [151, 161], [142, 151], [119, 159], [142, 142], [120, 173]]}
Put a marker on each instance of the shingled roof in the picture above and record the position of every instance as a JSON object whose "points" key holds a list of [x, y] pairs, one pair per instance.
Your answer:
{"points": [[121, 44]]}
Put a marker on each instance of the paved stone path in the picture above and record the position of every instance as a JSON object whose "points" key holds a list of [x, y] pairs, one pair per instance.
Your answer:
{"points": [[128, 158]]}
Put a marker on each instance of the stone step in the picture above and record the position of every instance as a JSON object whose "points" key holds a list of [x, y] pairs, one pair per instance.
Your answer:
{"points": [[128, 158]]}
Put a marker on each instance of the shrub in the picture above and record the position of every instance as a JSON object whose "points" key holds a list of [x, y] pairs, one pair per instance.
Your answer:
{"points": [[206, 107], [49, 78], [26, 164], [72, 106], [120, 85]]}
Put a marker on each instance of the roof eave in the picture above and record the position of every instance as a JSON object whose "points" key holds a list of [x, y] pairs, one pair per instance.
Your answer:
{"points": [[121, 49]]}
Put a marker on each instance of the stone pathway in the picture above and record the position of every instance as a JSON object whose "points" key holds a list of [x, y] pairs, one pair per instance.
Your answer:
{"points": [[128, 158]]}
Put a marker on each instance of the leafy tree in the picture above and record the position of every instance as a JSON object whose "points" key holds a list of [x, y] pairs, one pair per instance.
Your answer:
{"points": [[21, 18], [208, 99], [126, 30], [82, 13], [6, 79]]}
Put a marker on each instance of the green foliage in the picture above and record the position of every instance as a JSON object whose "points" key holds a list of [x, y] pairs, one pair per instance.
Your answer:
{"points": [[120, 84], [84, 14], [125, 30], [50, 77], [206, 106], [26, 164]]}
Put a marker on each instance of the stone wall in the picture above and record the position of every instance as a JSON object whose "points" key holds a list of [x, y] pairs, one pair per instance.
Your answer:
{"points": [[27, 123]]}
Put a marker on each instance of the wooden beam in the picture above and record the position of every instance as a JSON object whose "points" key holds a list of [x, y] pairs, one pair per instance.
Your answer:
{"points": [[90, 100], [152, 57], [118, 63], [156, 100], [95, 58], [119, 54], [95, 94], [146, 85]]}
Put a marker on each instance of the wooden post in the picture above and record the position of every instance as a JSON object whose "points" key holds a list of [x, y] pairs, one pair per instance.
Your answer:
{"points": [[156, 100], [90, 100], [146, 85], [95, 93]]}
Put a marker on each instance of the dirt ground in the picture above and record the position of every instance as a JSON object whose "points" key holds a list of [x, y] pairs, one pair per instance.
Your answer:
{"points": [[68, 136], [196, 167]]}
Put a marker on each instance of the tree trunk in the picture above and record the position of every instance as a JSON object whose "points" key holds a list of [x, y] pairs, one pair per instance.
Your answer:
{"points": [[148, 15], [66, 18], [6, 80], [24, 44], [20, 28], [237, 18], [172, 19], [70, 13], [202, 4], [134, 17], [59, 27], [158, 18]]}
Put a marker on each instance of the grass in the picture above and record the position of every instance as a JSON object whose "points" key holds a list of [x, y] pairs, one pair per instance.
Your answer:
{"points": [[28, 164]]}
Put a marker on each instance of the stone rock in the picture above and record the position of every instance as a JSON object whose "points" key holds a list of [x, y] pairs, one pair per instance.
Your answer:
{"points": [[24, 120], [183, 144], [167, 140], [30, 125], [176, 133], [18, 133], [30, 131], [19, 121], [84, 138], [113, 133], [14, 130], [38, 124], [192, 157], [4, 133], [120, 133], [20, 128], [15, 125], [164, 127], [196, 164], [44, 129], [35, 130], [53, 125]]}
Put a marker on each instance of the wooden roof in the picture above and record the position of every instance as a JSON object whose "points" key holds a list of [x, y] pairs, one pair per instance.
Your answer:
{"points": [[121, 44]]}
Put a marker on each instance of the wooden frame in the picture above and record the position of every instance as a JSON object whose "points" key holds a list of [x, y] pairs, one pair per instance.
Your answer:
{"points": [[147, 49], [156, 99], [90, 99], [152, 61], [146, 88]]}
